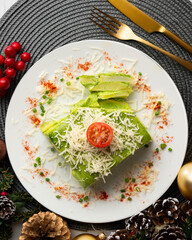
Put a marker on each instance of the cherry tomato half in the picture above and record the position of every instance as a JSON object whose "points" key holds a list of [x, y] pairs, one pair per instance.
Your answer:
{"points": [[99, 134]]}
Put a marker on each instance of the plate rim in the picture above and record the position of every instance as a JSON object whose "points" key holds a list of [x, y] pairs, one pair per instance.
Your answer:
{"points": [[140, 52]]}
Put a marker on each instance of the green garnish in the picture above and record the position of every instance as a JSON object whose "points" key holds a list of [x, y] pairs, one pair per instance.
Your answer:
{"points": [[41, 173], [40, 103], [68, 83], [49, 102], [35, 164], [159, 102], [42, 114], [44, 96], [170, 149], [129, 198], [59, 163], [150, 164], [42, 108], [122, 196], [163, 145], [133, 180], [77, 78], [50, 98], [47, 179], [80, 200], [52, 149], [126, 180], [157, 150], [34, 110], [38, 160], [138, 189], [62, 79], [157, 113], [58, 196], [139, 73], [122, 190], [85, 198], [46, 92]]}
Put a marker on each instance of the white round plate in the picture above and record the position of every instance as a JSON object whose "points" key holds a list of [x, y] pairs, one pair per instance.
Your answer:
{"points": [[100, 211]]}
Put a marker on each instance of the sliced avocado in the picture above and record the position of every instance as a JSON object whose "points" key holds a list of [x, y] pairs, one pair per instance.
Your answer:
{"points": [[115, 94], [109, 86], [115, 104], [88, 81], [90, 101], [116, 77]]}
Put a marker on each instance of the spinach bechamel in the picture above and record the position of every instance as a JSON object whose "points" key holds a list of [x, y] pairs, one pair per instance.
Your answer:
{"points": [[68, 135]]}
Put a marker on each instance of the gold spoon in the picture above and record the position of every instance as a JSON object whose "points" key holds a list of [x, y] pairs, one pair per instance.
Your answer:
{"points": [[87, 236], [184, 180]]}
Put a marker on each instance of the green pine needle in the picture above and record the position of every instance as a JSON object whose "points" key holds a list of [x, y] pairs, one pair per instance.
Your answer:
{"points": [[7, 180]]}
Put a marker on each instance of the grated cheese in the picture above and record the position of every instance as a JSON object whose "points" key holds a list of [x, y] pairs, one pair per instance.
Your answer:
{"points": [[79, 151]]}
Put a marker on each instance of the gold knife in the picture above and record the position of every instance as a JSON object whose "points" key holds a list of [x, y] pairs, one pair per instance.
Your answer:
{"points": [[146, 22]]}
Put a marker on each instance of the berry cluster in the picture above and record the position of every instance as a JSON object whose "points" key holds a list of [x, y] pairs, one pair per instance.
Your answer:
{"points": [[9, 67]]}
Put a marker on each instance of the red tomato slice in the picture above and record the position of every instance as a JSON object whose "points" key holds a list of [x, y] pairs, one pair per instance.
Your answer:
{"points": [[99, 134]]}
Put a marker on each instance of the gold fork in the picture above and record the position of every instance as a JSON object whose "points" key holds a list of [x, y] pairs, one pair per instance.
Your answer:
{"points": [[121, 31]]}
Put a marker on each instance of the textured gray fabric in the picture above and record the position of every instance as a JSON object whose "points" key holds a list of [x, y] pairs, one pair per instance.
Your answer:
{"points": [[43, 25]]}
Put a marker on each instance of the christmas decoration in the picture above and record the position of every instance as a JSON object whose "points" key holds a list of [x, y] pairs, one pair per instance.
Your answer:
{"points": [[88, 236], [184, 181], [45, 225], [140, 223], [164, 211], [7, 208], [3, 150], [169, 232], [8, 66], [120, 235], [185, 211]]}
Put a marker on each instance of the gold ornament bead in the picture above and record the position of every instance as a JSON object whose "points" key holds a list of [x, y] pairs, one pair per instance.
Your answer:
{"points": [[101, 236], [184, 180]]}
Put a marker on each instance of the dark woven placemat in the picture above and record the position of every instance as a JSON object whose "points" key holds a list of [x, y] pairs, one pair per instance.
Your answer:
{"points": [[43, 25]]}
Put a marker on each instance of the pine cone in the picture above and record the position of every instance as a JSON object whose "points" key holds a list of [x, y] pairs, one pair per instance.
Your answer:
{"points": [[7, 208], [164, 211], [185, 211], [169, 233], [45, 225], [140, 223], [119, 234]]}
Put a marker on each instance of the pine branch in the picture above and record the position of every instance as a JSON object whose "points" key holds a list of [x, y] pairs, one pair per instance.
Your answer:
{"points": [[5, 230], [7, 180]]}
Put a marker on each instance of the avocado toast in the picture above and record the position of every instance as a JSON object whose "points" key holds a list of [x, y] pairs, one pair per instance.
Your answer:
{"points": [[68, 135]]}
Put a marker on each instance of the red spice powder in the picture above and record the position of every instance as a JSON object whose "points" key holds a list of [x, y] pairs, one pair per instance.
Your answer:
{"points": [[32, 102], [103, 196], [67, 70], [106, 56], [49, 86], [34, 120], [30, 152], [84, 66]]}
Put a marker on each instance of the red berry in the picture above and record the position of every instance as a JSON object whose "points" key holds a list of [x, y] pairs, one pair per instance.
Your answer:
{"points": [[20, 65], [16, 45], [25, 57], [1, 59], [3, 194], [4, 83], [10, 52], [1, 73], [10, 72], [10, 62]]}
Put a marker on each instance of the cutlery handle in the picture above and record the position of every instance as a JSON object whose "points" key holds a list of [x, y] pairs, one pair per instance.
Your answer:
{"points": [[178, 40], [183, 62]]}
